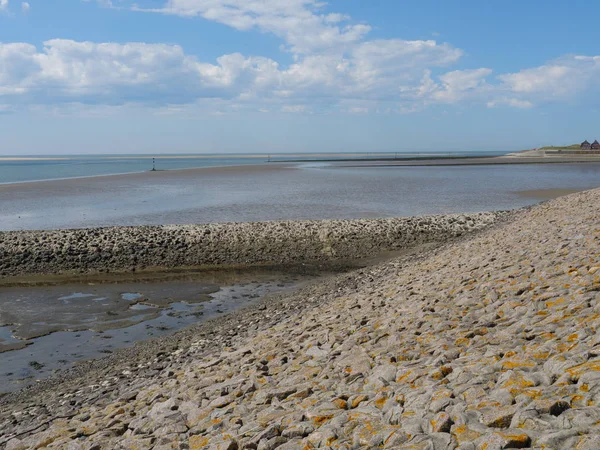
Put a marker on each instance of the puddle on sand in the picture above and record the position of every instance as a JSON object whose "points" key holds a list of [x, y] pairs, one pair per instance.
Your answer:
{"points": [[8, 342], [53, 334], [140, 307], [42, 310]]}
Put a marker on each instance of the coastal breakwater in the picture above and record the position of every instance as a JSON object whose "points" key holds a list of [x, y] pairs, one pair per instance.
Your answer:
{"points": [[231, 244], [488, 342]]}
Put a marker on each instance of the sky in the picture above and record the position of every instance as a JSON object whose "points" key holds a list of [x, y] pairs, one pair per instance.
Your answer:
{"points": [[258, 76]]}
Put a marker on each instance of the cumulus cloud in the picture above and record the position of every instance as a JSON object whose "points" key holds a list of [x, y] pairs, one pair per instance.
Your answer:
{"points": [[3, 5], [25, 7], [114, 73], [565, 76], [393, 71], [460, 84], [335, 66]]}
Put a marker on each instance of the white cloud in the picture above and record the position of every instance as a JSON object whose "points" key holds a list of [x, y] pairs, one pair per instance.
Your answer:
{"points": [[559, 78], [334, 66], [112, 73], [117, 73], [302, 24], [394, 73], [544, 78], [393, 66], [25, 7], [460, 84], [3, 5]]}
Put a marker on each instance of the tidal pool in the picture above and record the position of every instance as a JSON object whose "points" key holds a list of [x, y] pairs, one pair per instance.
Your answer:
{"points": [[46, 326]]}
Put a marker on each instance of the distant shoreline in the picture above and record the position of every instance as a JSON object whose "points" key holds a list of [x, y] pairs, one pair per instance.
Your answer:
{"points": [[426, 161], [132, 175], [32, 158], [467, 161], [299, 156], [411, 158]]}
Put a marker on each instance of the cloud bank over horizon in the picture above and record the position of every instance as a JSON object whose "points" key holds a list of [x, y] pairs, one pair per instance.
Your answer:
{"points": [[335, 67]]}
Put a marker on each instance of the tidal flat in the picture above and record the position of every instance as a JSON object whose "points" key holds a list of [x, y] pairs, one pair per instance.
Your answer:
{"points": [[282, 191]]}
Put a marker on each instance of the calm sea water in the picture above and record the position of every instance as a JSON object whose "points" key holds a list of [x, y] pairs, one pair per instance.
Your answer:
{"points": [[304, 191], [74, 166]]}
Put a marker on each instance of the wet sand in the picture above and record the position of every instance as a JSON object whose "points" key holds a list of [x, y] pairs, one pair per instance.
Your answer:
{"points": [[548, 194]]}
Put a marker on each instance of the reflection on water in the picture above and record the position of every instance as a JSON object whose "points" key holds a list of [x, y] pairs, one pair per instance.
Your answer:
{"points": [[42, 333], [72, 166], [311, 192], [140, 307], [75, 295], [131, 296]]}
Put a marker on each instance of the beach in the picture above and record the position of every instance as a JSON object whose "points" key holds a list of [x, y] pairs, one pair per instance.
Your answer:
{"points": [[485, 341]]}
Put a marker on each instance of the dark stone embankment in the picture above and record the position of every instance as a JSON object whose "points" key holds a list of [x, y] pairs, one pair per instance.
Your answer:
{"points": [[278, 243]]}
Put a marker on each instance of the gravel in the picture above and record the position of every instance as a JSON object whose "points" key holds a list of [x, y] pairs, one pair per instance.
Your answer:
{"points": [[283, 243]]}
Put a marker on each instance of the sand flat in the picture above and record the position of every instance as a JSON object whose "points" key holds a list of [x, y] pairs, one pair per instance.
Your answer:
{"points": [[63, 184], [548, 194], [280, 191]]}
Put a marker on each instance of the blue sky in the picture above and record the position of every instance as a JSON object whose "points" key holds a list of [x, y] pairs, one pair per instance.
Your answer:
{"points": [[212, 76]]}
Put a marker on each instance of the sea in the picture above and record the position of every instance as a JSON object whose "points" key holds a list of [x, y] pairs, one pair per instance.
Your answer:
{"points": [[292, 187], [23, 168], [303, 187]]}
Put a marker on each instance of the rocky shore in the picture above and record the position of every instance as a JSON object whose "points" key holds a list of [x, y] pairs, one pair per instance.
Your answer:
{"points": [[487, 342], [276, 243]]}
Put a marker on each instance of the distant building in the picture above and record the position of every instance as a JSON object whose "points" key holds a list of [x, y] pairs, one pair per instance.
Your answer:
{"points": [[596, 145], [585, 145]]}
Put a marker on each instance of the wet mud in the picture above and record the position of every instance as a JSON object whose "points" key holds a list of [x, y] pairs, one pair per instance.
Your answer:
{"points": [[48, 325]]}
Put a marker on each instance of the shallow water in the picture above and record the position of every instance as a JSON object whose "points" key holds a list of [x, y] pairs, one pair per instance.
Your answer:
{"points": [[66, 323], [307, 191], [22, 168]]}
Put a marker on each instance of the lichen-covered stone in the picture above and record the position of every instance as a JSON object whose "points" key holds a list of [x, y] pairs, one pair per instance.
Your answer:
{"points": [[487, 342]]}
